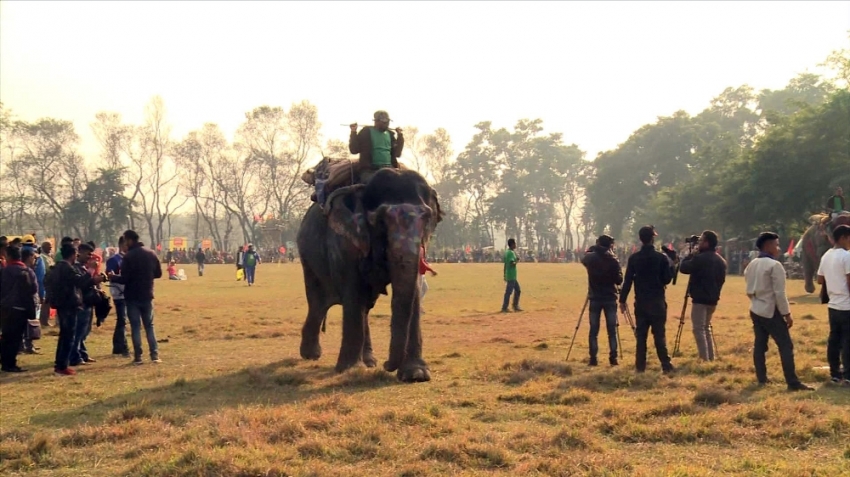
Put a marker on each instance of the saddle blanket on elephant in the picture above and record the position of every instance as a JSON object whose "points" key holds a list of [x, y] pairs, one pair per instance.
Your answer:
{"points": [[331, 174], [830, 221]]}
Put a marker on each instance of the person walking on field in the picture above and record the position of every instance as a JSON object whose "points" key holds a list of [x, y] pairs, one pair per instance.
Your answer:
{"points": [[200, 259], [139, 269], [604, 275], [650, 271], [834, 272], [708, 274], [251, 260], [770, 311], [424, 267], [510, 275]]}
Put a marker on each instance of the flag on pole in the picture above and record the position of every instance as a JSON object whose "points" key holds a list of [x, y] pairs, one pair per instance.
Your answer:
{"points": [[791, 247]]}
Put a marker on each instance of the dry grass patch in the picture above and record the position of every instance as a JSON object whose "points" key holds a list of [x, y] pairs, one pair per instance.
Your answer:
{"points": [[500, 404]]}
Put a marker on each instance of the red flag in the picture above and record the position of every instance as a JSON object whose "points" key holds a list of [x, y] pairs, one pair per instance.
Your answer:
{"points": [[791, 247], [159, 247]]}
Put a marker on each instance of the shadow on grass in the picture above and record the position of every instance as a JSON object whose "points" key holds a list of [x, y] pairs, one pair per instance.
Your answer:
{"points": [[269, 385], [805, 299]]}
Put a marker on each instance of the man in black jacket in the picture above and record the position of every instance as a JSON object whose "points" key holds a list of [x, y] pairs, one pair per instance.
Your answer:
{"points": [[603, 275], [377, 145], [139, 269], [65, 285], [708, 273], [651, 272]]}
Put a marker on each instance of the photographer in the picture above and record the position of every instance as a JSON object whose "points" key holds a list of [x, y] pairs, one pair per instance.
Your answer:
{"points": [[603, 275], [651, 272], [708, 274]]}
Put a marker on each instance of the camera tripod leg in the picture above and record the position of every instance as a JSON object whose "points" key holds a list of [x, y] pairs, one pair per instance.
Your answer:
{"points": [[583, 309], [619, 341], [631, 321], [681, 326]]}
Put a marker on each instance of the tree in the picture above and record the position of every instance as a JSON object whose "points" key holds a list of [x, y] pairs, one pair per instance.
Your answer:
{"points": [[102, 210]]}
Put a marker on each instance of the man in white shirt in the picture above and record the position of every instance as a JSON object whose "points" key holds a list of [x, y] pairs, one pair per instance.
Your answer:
{"points": [[770, 311], [834, 271]]}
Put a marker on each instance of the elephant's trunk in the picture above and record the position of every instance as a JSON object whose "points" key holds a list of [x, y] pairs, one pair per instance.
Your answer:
{"points": [[406, 226]]}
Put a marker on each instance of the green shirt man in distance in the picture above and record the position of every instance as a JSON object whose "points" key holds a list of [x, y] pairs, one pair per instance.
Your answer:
{"points": [[510, 275]]}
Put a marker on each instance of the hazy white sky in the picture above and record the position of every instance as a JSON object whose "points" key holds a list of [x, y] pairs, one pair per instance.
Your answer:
{"points": [[594, 71]]}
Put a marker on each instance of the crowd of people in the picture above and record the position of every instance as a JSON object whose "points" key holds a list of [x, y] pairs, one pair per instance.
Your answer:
{"points": [[32, 283]]}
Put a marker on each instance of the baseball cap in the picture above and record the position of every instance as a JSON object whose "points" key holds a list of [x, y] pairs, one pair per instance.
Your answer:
{"points": [[381, 115], [28, 239], [647, 232], [605, 241]]}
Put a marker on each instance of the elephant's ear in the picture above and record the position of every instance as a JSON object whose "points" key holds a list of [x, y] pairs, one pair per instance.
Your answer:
{"points": [[347, 219]]}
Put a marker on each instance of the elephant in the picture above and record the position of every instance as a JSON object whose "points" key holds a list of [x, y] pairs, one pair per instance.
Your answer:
{"points": [[364, 238], [815, 242]]}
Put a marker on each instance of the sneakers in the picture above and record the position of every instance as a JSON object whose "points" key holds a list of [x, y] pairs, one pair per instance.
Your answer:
{"points": [[613, 362], [13, 369], [669, 369], [156, 360], [90, 360], [517, 309], [504, 310], [800, 387], [836, 380], [64, 372], [592, 361], [138, 361]]}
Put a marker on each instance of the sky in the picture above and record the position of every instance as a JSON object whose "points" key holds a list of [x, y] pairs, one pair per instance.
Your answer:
{"points": [[592, 71]]}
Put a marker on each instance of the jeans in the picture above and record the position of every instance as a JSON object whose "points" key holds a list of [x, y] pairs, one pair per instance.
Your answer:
{"points": [[651, 316], [838, 344], [200, 269], [511, 287], [701, 318], [13, 324], [79, 353], [67, 320], [119, 337], [610, 309], [249, 274], [776, 328], [141, 313]]}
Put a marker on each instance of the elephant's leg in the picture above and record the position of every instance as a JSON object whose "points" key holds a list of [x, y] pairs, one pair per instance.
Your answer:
{"points": [[353, 333], [414, 369], [368, 355], [317, 310]]}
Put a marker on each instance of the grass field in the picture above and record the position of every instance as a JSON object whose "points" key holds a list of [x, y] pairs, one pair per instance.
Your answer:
{"points": [[233, 397]]}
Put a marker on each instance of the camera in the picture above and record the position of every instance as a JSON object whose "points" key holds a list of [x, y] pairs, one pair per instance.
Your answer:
{"points": [[692, 240]]}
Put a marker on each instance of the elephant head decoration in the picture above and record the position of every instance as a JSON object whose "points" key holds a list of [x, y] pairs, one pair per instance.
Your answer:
{"points": [[815, 242]]}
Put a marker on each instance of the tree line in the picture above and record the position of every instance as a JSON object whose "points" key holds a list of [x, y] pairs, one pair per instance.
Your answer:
{"points": [[751, 160]]}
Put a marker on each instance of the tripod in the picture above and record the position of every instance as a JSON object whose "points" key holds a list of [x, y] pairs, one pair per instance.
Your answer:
{"points": [[583, 309]]}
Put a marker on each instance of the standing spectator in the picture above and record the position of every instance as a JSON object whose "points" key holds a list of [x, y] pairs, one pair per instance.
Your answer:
{"points": [[49, 263], [200, 259], [4, 244], [770, 311], [834, 272], [139, 269], [708, 274], [79, 352], [17, 305], [251, 260], [424, 267], [650, 271], [604, 275], [116, 290], [510, 276], [65, 285], [30, 256], [240, 255]]}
